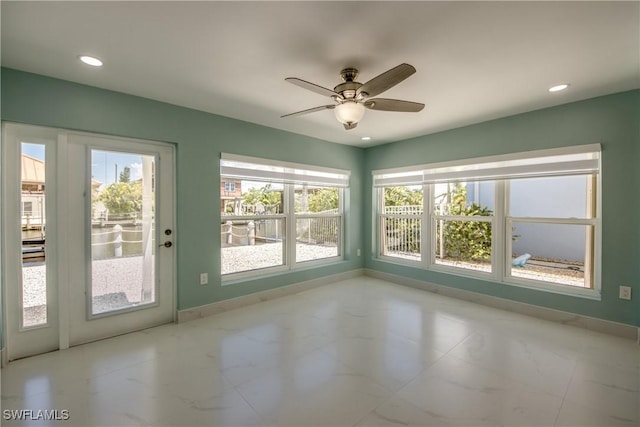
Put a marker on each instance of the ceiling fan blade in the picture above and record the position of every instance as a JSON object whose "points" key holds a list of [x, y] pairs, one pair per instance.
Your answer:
{"points": [[387, 80], [349, 126], [310, 110], [383, 104], [311, 86]]}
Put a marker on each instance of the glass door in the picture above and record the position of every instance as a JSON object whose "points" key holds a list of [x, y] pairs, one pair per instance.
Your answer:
{"points": [[123, 255], [121, 240], [87, 237]]}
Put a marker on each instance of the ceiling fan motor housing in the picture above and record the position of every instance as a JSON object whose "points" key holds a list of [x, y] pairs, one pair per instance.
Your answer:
{"points": [[349, 89]]}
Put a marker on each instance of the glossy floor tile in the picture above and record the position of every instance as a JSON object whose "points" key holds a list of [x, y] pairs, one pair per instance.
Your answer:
{"points": [[361, 352]]}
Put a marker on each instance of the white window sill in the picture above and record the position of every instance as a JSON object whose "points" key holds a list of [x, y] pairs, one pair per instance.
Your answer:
{"points": [[574, 291], [245, 276]]}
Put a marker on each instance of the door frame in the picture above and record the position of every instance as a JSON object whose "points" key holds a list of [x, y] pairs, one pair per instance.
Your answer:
{"points": [[58, 210], [39, 338], [86, 327]]}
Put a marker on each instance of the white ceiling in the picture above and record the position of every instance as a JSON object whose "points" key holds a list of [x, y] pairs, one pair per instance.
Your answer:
{"points": [[476, 60]]}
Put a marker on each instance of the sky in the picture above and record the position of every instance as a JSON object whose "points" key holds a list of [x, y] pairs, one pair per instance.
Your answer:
{"points": [[106, 166], [33, 150]]}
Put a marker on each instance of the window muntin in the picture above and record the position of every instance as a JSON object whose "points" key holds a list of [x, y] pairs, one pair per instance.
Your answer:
{"points": [[281, 215], [515, 191], [400, 221]]}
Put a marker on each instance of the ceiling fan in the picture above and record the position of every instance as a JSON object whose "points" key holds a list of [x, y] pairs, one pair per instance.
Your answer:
{"points": [[351, 97]]}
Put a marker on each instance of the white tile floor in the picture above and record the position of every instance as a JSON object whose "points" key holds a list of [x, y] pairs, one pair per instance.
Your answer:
{"points": [[362, 352]]}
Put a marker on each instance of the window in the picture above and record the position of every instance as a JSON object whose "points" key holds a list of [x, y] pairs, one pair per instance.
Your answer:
{"points": [[463, 218], [401, 222], [529, 219], [287, 215], [552, 227], [254, 238], [318, 222], [27, 208], [229, 187]]}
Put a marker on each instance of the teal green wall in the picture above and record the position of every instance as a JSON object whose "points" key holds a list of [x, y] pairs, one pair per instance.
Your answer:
{"points": [[612, 121], [199, 139]]}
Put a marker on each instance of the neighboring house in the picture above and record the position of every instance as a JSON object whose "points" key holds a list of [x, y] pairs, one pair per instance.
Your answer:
{"points": [[33, 185], [33, 192], [230, 196]]}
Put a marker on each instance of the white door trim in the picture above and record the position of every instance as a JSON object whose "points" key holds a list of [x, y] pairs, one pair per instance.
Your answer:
{"points": [[58, 210]]}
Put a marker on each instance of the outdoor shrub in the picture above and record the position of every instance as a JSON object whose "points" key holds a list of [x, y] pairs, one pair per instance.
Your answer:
{"points": [[465, 240]]}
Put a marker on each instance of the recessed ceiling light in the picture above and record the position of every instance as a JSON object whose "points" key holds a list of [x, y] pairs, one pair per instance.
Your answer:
{"points": [[557, 88], [91, 60], [366, 138]]}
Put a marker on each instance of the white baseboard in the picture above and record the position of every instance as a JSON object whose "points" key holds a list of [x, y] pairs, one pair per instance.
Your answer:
{"points": [[230, 304], [586, 322]]}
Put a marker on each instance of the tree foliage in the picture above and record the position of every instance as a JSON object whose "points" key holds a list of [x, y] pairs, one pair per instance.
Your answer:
{"points": [[402, 196], [465, 240], [122, 197], [323, 200], [125, 175], [266, 196]]}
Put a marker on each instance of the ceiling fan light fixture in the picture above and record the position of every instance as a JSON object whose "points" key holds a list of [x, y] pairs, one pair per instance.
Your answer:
{"points": [[349, 112]]}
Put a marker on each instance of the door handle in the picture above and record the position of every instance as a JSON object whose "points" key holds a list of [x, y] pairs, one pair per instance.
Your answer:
{"points": [[166, 244]]}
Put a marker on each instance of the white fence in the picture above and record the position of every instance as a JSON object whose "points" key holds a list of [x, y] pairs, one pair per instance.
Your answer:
{"points": [[401, 230], [116, 242], [318, 230], [403, 210], [247, 232], [315, 228], [401, 236]]}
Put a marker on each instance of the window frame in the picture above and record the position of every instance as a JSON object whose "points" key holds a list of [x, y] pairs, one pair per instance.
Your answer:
{"points": [[381, 215], [25, 211], [313, 215], [592, 250], [288, 214], [501, 223]]}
